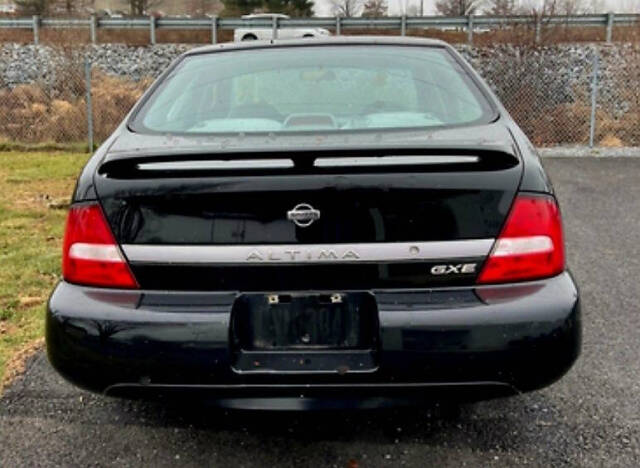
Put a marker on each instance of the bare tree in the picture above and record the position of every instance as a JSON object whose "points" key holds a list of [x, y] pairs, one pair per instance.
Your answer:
{"points": [[375, 8], [540, 8], [596, 6], [571, 7], [72, 6], [457, 7], [201, 7], [555, 7], [347, 8], [33, 7], [69, 5], [141, 7], [504, 7]]}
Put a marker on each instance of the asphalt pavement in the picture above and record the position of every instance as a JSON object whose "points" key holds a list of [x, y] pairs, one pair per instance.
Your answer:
{"points": [[589, 418]]}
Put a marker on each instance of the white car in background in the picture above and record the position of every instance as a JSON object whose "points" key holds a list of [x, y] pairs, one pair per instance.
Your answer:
{"points": [[266, 32], [8, 9]]}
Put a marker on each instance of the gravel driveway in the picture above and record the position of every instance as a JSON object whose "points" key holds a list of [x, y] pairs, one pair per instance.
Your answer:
{"points": [[591, 417]]}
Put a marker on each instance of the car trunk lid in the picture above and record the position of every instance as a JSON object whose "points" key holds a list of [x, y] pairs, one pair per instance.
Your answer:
{"points": [[376, 217]]}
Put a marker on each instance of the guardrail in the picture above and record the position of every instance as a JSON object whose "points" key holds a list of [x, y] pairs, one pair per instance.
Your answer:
{"points": [[400, 23]]}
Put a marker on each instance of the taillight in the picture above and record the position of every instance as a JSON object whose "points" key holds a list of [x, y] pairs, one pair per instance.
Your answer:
{"points": [[90, 254], [531, 244]]}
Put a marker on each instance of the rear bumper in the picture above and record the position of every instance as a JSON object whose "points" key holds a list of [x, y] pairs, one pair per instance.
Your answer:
{"points": [[475, 342]]}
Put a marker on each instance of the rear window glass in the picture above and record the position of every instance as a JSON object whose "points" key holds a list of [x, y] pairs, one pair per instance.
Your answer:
{"points": [[319, 88]]}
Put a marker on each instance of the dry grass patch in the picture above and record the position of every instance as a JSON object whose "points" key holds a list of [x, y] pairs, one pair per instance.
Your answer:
{"points": [[611, 141], [35, 113]]}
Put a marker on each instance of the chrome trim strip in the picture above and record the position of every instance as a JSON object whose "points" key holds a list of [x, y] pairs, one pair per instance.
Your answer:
{"points": [[394, 161], [308, 254], [190, 165], [217, 165]]}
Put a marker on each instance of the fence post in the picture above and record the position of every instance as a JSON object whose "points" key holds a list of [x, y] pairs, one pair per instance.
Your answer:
{"points": [[403, 25], [92, 28], [36, 29], [594, 94], [610, 17], [470, 29], [338, 25], [274, 28], [214, 29], [87, 72], [152, 29], [538, 28]]}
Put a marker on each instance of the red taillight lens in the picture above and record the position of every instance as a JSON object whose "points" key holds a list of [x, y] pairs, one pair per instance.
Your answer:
{"points": [[90, 254], [531, 244]]}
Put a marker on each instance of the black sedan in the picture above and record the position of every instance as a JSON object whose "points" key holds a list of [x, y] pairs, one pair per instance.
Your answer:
{"points": [[330, 223]]}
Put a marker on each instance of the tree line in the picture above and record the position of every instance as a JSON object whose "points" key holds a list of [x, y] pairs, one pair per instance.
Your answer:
{"points": [[146, 7], [377, 8], [71, 7], [345, 8], [518, 7]]}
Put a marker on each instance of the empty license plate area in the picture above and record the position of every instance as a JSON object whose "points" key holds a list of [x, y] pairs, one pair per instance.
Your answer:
{"points": [[304, 322]]}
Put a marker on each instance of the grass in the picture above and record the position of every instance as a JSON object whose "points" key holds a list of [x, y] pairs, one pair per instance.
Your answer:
{"points": [[33, 186], [47, 146]]}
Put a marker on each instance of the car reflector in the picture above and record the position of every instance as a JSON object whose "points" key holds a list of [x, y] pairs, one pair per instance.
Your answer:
{"points": [[531, 244], [91, 255]]}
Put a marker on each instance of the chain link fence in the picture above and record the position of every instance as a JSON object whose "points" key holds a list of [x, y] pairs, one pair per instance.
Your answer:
{"points": [[49, 110], [76, 105], [590, 98]]}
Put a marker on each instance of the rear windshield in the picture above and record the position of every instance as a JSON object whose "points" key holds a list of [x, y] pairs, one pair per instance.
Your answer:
{"points": [[335, 88]]}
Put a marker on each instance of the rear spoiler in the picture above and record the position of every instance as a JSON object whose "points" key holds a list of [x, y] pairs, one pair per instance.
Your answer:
{"points": [[187, 163]]}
